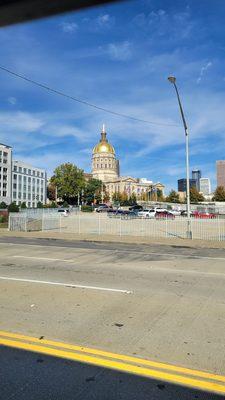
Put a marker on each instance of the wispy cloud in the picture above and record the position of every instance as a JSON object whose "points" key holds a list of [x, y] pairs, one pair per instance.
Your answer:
{"points": [[69, 27], [203, 71], [120, 51], [12, 100]]}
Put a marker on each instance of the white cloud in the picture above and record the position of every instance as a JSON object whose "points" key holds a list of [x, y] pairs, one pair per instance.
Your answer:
{"points": [[120, 51], [203, 70], [12, 100], [69, 27], [103, 19]]}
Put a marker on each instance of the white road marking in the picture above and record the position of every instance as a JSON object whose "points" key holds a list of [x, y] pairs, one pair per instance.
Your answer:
{"points": [[45, 259], [7, 278], [130, 252]]}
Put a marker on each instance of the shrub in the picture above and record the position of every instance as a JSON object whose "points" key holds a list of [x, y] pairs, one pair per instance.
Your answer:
{"points": [[23, 205], [39, 204], [13, 207], [87, 208], [3, 219], [3, 205]]}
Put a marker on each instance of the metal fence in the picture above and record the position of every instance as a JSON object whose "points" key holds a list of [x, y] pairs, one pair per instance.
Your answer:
{"points": [[101, 224]]}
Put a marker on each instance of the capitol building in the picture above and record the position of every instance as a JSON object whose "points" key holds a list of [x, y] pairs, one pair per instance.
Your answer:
{"points": [[106, 167]]}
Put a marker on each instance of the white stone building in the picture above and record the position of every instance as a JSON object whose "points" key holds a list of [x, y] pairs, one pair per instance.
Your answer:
{"points": [[105, 167], [29, 184], [205, 186], [5, 173]]}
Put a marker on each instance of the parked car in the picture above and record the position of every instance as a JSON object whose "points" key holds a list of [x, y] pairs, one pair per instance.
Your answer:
{"points": [[205, 215], [103, 208], [136, 207], [146, 213], [63, 212], [164, 215], [177, 213]]}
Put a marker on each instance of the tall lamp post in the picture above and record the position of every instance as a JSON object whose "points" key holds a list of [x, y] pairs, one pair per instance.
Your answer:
{"points": [[172, 80]]}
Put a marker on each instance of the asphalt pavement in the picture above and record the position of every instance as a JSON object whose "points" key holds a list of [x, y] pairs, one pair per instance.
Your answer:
{"points": [[165, 304]]}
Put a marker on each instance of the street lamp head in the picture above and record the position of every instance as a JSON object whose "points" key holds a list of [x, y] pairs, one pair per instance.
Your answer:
{"points": [[172, 79]]}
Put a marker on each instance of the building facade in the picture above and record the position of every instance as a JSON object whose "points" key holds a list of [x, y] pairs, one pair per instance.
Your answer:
{"points": [[106, 167], [20, 182], [196, 175], [5, 173], [205, 186], [220, 172], [182, 184], [28, 184]]}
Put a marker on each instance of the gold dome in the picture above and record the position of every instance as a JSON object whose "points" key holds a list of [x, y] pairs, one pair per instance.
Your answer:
{"points": [[103, 146]]}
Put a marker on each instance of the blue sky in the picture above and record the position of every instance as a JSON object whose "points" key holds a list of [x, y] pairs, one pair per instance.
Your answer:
{"points": [[119, 57]]}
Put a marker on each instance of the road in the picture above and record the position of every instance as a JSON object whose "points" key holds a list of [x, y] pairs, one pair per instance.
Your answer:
{"points": [[161, 303]]}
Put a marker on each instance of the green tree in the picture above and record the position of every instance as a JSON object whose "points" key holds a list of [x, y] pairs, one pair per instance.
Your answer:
{"points": [[219, 194], [93, 191], [23, 205], [160, 196], [195, 196], [39, 204], [132, 199], [13, 207], [69, 180], [51, 191], [3, 205], [173, 197]]}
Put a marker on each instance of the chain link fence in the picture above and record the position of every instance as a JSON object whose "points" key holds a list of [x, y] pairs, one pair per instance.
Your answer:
{"points": [[101, 224]]}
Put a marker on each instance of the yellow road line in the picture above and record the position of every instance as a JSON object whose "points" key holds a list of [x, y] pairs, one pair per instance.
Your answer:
{"points": [[134, 369], [121, 357]]}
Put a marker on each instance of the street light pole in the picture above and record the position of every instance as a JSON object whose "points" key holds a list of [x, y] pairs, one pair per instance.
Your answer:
{"points": [[172, 80]]}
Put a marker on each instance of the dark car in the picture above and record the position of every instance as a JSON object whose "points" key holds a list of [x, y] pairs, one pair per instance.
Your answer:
{"points": [[164, 215], [136, 207]]}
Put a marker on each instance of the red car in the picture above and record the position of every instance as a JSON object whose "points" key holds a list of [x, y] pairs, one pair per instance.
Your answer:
{"points": [[204, 215], [164, 215]]}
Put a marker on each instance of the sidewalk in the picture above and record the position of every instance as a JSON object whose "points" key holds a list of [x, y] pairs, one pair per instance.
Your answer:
{"points": [[111, 238]]}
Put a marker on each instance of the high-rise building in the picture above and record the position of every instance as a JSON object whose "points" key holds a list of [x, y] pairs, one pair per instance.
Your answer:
{"points": [[5, 173], [182, 184], [205, 186], [28, 184], [197, 174], [220, 171]]}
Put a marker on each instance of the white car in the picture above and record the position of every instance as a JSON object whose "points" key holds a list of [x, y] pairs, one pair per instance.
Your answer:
{"points": [[175, 212], [147, 213]]}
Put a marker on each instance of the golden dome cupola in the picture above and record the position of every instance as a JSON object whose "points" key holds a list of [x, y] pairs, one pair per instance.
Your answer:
{"points": [[105, 166], [103, 146]]}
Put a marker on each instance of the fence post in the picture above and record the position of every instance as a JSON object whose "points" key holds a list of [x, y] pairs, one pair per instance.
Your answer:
{"points": [[78, 223], [25, 227], [9, 223], [99, 224], [219, 228], [166, 226], [42, 222], [60, 223], [120, 226]]}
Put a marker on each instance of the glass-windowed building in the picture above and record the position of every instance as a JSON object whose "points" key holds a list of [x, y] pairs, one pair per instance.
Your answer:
{"points": [[29, 184], [182, 184]]}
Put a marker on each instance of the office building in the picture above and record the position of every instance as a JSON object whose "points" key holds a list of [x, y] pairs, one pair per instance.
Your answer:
{"points": [[20, 182], [220, 171], [197, 174], [5, 173], [182, 184], [205, 186], [28, 184]]}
